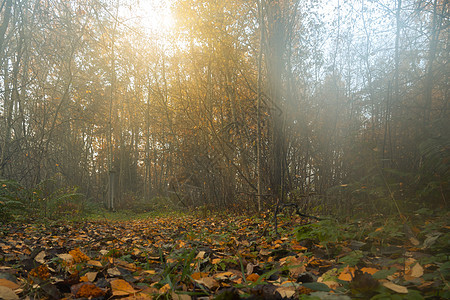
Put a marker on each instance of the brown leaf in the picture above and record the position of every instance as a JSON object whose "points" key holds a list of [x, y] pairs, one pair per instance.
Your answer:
{"points": [[9, 284], [91, 276], [66, 257], [40, 257], [395, 287], [113, 272], [417, 270], [286, 291], [120, 287], [87, 290], [7, 294], [209, 282], [95, 263], [296, 264]]}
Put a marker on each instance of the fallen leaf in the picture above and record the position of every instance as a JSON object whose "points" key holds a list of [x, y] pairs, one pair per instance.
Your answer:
{"points": [[414, 241], [417, 270], [113, 272], [252, 277], [164, 288], [347, 274], [201, 255], [7, 294], [78, 255], [87, 290], [139, 296], [215, 261], [250, 268], [120, 287], [41, 272], [224, 275], [91, 276], [209, 282], [9, 284], [40, 257], [95, 263], [295, 264], [176, 296], [265, 252], [66, 257], [331, 284], [370, 271], [198, 275], [286, 292], [395, 287]]}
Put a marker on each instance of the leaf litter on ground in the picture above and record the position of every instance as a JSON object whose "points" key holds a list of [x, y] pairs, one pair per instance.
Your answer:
{"points": [[186, 257]]}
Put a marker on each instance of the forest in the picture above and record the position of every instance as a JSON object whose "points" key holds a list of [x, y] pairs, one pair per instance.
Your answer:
{"points": [[312, 126]]}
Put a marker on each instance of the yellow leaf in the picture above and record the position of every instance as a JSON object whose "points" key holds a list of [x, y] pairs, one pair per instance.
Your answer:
{"points": [[201, 255], [215, 261], [164, 289]]}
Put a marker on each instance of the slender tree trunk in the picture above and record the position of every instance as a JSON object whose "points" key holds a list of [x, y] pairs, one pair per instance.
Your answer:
{"points": [[428, 89], [259, 100]]}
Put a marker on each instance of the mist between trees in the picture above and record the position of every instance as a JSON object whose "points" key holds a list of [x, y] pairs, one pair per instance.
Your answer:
{"points": [[243, 104]]}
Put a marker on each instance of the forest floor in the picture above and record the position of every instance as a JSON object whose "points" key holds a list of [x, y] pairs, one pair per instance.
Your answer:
{"points": [[227, 257]]}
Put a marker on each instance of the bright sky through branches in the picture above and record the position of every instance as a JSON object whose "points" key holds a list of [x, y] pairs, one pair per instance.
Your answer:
{"points": [[155, 16]]}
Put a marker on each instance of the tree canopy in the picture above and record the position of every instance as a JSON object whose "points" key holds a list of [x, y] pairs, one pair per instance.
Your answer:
{"points": [[242, 104]]}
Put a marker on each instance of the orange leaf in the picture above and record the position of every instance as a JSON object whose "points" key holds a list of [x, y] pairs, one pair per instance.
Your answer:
{"points": [[87, 290], [9, 284], [41, 272], [78, 256], [198, 275], [371, 271], [347, 274], [215, 261], [253, 277]]}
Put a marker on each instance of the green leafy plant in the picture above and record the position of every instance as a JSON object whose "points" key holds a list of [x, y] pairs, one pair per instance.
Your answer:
{"points": [[323, 232], [10, 199]]}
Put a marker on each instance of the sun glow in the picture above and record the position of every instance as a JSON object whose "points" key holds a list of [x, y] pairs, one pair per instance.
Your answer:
{"points": [[155, 16]]}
